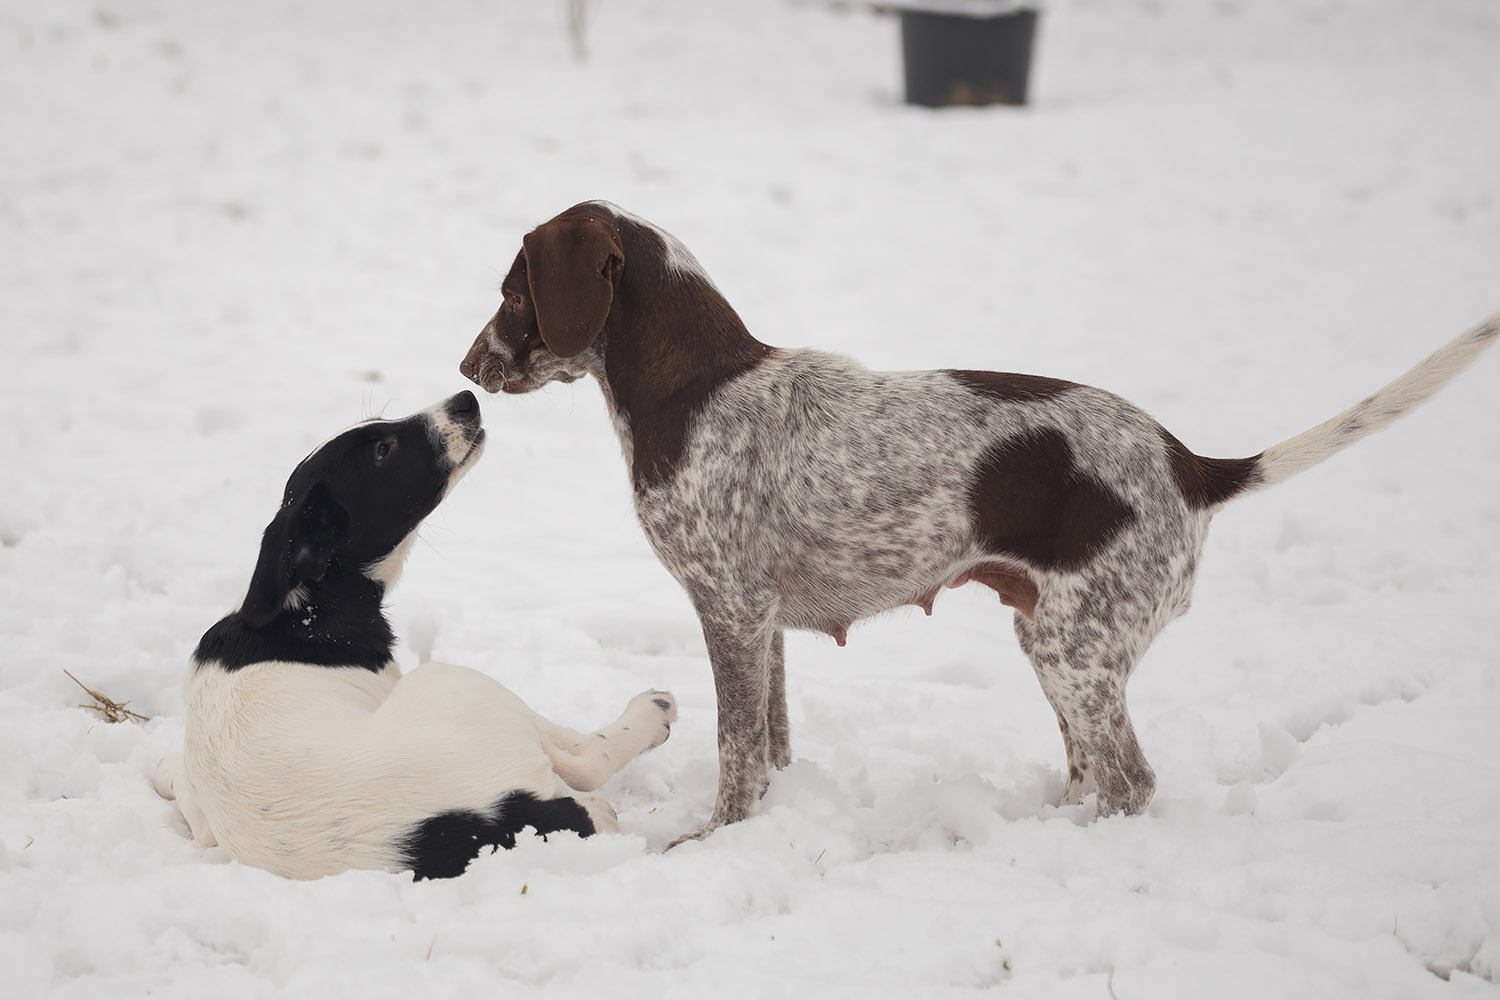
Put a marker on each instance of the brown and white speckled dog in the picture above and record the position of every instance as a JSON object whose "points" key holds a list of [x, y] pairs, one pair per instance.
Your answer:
{"points": [[796, 489]]}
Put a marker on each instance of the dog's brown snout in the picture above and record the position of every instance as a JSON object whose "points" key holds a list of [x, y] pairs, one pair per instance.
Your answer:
{"points": [[469, 367]]}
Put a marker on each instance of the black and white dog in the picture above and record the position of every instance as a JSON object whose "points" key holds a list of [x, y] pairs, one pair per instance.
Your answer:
{"points": [[308, 753]]}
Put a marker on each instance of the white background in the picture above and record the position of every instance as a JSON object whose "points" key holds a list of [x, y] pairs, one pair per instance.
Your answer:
{"points": [[228, 230]]}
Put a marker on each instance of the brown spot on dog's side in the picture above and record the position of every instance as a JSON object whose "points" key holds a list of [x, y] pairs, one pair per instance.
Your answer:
{"points": [[1208, 482], [1015, 586], [1030, 500], [1010, 387]]}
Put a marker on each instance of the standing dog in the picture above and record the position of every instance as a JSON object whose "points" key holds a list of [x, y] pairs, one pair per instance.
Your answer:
{"points": [[308, 753], [796, 489]]}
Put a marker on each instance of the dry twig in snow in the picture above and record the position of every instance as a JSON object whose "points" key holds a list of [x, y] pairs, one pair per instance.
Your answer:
{"points": [[113, 711]]}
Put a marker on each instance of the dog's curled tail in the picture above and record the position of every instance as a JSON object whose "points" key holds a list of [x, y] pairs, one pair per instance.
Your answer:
{"points": [[1283, 461]]}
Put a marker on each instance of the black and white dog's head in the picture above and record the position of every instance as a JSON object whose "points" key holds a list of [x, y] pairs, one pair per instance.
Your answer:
{"points": [[357, 500], [348, 515]]}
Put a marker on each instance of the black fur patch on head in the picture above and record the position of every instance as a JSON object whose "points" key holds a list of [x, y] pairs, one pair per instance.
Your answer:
{"points": [[1031, 501], [443, 845]]}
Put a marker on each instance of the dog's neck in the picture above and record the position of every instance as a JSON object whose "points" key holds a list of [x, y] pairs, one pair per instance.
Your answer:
{"points": [[386, 571], [666, 350], [336, 622]]}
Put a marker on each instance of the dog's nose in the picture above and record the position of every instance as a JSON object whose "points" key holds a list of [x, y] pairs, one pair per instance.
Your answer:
{"points": [[463, 407]]}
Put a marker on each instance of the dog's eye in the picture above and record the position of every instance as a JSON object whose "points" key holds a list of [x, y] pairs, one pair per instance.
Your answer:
{"points": [[383, 450]]}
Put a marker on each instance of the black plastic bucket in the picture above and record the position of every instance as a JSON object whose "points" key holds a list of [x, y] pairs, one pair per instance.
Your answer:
{"points": [[959, 58]]}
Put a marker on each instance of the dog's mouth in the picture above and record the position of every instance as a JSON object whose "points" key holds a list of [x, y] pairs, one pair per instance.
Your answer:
{"points": [[519, 385], [490, 375], [496, 378], [471, 455], [476, 447], [494, 375]]}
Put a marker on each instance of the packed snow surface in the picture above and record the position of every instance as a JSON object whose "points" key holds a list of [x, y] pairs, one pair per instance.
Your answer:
{"points": [[231, 229]]}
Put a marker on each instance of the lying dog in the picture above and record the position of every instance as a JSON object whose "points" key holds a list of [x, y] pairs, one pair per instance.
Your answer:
{"points": [[308, 753], [796, 489]]}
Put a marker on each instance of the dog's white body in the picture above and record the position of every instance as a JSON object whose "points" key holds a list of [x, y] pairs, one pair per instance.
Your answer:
{"points": [[342, 762]]}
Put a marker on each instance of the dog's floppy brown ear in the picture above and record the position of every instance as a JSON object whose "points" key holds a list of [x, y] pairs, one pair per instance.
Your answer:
{"points": [[572, 266]]}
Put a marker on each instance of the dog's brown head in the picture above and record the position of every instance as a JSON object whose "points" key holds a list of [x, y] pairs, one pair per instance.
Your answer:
{"points": [[557, 297], [598, 291]]}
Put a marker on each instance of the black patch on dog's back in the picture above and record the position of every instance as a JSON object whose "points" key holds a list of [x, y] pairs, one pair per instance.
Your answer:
{"points": [[1031, 501], [443, 845]]}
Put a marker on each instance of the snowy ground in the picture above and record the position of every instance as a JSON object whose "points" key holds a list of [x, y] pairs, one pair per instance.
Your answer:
{"points": [[230, 229]]}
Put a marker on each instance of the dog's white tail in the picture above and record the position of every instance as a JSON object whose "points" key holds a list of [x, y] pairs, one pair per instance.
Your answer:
{"points": [[1283, 461]]}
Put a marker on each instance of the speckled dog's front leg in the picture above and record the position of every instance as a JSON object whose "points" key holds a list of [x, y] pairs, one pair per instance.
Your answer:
{"points": [[740, 648]]}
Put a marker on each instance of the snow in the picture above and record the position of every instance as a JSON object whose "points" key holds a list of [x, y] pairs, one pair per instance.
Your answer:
{"points": [[232, 229]]}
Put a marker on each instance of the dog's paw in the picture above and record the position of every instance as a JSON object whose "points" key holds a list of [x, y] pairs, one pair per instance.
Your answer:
{"points": [[698, 834], [660, 708], [600, 812], [167, 773]]}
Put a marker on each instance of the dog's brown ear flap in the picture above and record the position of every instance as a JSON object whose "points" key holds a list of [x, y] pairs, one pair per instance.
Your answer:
{"points": [[572, 266]]}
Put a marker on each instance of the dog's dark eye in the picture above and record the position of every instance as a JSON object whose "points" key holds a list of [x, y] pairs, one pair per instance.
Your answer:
{"points": [[383, 450]]}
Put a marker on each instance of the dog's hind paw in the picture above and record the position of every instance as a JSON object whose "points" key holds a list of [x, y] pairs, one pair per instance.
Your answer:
{"points": [[698, 834]]}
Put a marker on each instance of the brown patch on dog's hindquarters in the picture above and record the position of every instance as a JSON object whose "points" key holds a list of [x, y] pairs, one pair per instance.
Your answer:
{"points": [[1206, 483], [1033, 501]]}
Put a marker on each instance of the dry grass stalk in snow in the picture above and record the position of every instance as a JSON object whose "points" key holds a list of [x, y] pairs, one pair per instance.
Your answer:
{"points": [[113, 711]]}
